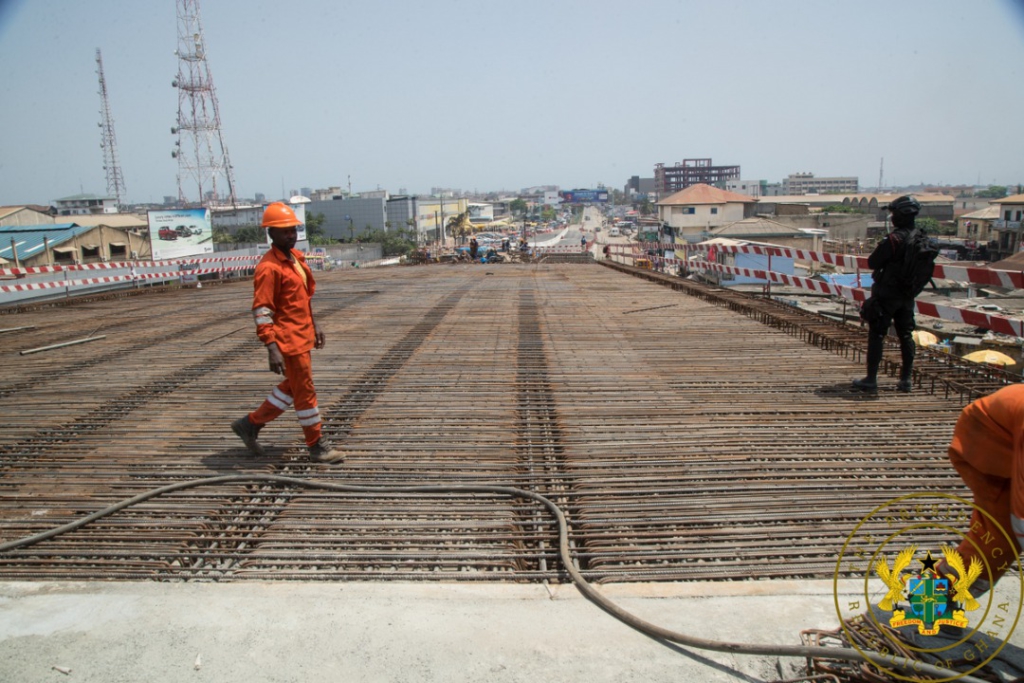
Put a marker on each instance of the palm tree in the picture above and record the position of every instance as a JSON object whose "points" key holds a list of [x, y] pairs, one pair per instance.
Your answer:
{"points": [[459, 226]]}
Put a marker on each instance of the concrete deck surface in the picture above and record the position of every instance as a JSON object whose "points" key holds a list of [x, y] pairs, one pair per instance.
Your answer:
{"points": [[268, 631]]}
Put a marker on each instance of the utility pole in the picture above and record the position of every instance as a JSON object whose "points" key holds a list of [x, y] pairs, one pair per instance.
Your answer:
{"points": [[200, 150], [881, 167], [111, 165]]}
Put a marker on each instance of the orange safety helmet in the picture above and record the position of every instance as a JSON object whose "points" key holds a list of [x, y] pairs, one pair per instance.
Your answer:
{"points": [[278, 215]]}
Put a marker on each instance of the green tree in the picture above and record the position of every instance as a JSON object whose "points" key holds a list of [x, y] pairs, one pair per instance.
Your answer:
{"points": [[459, 226], [646, 207], [934, 227], [250, 234], [222, 236], [548, 213], [993, 192], [398, 242], [315, 230], [517, 206]]}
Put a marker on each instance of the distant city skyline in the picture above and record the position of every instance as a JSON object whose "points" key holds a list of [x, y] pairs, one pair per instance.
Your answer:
{"points": [[491, 97]]}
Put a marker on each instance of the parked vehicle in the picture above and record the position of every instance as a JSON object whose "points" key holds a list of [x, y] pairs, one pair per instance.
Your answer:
{"points": [[166, 233], [183, 231]]}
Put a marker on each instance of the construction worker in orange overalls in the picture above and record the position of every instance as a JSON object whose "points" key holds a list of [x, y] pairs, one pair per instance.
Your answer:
{"points": [[988, 452], [284, 322]]}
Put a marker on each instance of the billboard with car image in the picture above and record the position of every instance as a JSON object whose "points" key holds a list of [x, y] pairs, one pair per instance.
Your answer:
{"points": [[180, 232]]}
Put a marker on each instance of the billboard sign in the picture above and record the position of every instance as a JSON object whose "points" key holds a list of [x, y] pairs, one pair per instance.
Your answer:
{"points": [[180, 232], [584, 196]]}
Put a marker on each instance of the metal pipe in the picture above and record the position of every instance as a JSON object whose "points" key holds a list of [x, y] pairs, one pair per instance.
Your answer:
{"points": [[60, 346]]}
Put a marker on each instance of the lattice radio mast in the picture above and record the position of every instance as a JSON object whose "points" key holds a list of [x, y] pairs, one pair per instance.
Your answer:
{"points": [[115, 181], [200, 150]]}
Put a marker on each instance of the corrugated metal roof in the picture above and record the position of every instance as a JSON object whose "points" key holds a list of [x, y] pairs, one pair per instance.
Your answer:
{"points": [[28, 239], [988, 213], [1012, 199], [113, 220], [757, 227]]}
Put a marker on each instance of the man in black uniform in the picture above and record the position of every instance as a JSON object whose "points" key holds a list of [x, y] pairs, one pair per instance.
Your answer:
{"points": [[890, 303]]}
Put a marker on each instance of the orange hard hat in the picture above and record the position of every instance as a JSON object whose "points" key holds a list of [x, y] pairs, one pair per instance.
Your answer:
{"points": [[278, 215]]}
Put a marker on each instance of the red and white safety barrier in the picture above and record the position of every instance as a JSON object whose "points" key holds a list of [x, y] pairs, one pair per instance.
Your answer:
{"points": [[943, 271], [560, 250], [61, 284], [59, 268], [996, 323]]}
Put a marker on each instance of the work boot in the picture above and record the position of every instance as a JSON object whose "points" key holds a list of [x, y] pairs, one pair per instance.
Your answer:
{"points": [[905, 385], [248, 433], [868, 384], [324, 451]]}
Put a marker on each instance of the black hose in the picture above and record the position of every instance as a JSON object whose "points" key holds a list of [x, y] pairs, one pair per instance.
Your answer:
{"points": [[582, 585]]}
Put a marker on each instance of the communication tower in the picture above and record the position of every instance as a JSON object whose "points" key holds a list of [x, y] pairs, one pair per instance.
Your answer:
{"points": [[199, 148], [115, 181]]}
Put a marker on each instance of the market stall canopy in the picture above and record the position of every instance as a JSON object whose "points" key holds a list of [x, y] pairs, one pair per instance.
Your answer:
{"points": [[990, 356]]}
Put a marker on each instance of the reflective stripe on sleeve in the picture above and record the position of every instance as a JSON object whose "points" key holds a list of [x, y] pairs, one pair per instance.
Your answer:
{"points": [[263, 315]]}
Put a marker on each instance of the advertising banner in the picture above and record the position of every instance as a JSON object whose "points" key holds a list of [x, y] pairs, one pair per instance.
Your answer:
{"points": [[584, 196], [180, 232]]}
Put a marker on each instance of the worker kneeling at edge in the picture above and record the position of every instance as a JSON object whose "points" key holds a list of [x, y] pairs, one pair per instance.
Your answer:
{"points": [[987, 451], [281, 305]]}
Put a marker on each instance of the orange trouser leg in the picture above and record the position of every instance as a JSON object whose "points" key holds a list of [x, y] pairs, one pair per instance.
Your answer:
{"points": [[986, 539], [297, 388]]}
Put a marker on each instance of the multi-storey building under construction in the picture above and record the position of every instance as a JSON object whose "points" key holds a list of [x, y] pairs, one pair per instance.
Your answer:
{"points": [[670, 179]]}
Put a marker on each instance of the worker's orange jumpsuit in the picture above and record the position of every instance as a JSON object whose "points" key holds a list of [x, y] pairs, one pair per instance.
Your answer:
{"points": [[281, 306], [988, 452]]}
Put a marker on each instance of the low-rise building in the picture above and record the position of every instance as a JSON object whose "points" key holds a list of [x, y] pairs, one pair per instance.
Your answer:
{"points": [[760, 229], [68, 243], [25, 215], [977, 225], [693, 212], [83, 204], [1008, 224], [807, 183]]}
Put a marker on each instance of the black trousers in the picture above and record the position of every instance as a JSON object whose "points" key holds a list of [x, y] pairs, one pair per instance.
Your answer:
{"points": [[880, 313]]}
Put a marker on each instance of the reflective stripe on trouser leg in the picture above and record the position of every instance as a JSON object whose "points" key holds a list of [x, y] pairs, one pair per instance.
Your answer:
{"points": [[279, 400], [299, 369]]}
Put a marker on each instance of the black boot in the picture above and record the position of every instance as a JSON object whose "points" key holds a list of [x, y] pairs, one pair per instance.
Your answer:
{"points": [[870, 381], [907, 351]]}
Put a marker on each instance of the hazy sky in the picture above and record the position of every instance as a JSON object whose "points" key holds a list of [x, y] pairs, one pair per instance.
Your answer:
{"points": [[488, 95]]}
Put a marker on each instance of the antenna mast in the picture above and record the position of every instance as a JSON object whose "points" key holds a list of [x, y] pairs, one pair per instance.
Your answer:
{"points": [[115, 181], [881, 166], [200, 150]]}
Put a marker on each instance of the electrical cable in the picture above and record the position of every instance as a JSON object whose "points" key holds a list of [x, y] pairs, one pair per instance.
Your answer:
{"points": [[806, 651]]}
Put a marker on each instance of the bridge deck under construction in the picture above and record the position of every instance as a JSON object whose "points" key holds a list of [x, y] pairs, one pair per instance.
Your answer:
{"points": [[685, 437]]}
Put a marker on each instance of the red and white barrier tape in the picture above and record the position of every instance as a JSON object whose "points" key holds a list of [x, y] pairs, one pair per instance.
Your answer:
{"points": [[1003, 325], [974, 275], [36, 270], [60, 284]]}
